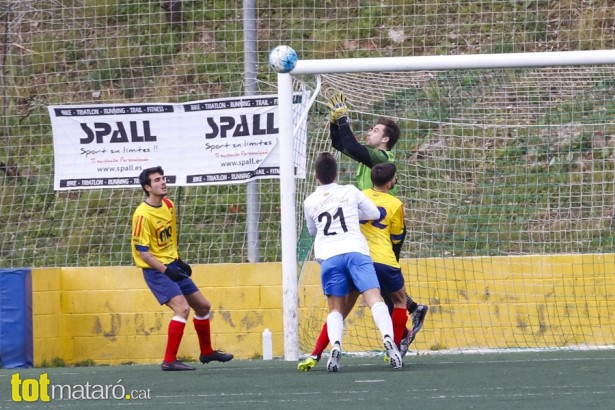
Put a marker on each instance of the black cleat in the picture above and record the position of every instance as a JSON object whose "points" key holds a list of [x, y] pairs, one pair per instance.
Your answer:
{"points": [[175, 366], [216, 356], [404, 345], [418, 317]]}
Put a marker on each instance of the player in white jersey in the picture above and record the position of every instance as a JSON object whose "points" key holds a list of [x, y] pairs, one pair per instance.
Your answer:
{"points": [[332, 215]]}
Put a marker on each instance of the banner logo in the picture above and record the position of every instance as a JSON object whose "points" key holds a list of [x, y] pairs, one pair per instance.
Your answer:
{"points": [[223, 141]]}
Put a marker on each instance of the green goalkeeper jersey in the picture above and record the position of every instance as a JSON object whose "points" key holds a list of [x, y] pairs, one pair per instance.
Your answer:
{"points": [[364, 178]]}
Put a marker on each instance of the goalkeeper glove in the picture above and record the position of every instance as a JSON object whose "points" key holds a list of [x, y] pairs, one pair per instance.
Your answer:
{"points": [[174, 274], [337, 105], [184, 266]]}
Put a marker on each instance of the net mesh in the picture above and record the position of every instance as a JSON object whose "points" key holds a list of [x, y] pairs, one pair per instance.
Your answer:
{"points": [[494, 168], [469, 137]]}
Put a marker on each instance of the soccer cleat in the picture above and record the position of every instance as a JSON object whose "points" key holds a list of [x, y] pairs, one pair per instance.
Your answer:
{"points": [[405, 342], [216, 356], [175, 366], [333, 364], [418, 317], [307, 363], [393, 353]]}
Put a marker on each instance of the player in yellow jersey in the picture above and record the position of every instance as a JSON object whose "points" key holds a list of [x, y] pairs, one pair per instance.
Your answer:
{"points": [[381, 235], [154, 250]]}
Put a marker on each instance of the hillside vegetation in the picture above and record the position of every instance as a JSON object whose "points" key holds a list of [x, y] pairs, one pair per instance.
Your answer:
{"points": [[117, 51]]}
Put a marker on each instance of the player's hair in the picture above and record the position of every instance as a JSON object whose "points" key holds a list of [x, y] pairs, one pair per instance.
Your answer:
{"points": [[383, 173], [326, 168], [144, 177], [391, 130]]}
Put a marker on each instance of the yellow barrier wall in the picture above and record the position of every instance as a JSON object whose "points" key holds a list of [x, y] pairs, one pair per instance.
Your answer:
{"points": [[517, 301], [108, 315], [533, 301]]}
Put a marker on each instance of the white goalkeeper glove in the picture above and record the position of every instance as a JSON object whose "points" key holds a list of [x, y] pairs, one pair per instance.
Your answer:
{"points": [[337, 105]]}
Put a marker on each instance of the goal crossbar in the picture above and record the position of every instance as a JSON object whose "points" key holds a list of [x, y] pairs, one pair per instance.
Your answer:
{"points": [[455, 62]]}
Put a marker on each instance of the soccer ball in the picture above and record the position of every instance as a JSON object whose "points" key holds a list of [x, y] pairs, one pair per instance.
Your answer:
{"points": [[282, 59]]}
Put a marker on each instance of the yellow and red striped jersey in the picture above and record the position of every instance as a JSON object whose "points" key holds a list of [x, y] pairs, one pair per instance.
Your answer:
{"points": [[154, 229]]}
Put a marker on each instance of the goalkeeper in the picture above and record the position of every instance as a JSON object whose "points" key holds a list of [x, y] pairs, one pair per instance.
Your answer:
{"points": [[381, 138], [154, 250]]}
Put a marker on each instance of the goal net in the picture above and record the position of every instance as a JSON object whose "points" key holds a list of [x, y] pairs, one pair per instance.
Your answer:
{"points": [[507, 179]]}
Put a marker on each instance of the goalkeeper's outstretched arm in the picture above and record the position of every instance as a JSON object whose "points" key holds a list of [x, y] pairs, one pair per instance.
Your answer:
{"points": [[342, 137], [336, 140], [352, 147]]}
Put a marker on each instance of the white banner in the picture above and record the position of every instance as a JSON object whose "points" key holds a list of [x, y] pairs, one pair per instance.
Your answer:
{"points": [[222, 141]]}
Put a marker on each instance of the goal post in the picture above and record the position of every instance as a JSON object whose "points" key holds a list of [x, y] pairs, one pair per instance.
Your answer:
{"points": [[288, 224], [289, 201]]}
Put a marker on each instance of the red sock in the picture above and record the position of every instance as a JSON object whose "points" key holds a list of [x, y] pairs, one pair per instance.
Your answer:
{"points": [[202, 330], [322, 342], [400, 318], [174, 338]]}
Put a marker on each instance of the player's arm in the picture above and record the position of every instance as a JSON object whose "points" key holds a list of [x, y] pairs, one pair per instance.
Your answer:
{"points": [[337, 107], [183, 266], [338, 110], [344, 140], [153, 262], [356, 150], [336, 141], [397, 246], [367, 209], [397, 225], [398, 231], [150, 259], [309, 222]]}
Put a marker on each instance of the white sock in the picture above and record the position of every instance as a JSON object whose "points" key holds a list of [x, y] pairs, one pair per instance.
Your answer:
{"points": [[335, 327], [380, 312]]}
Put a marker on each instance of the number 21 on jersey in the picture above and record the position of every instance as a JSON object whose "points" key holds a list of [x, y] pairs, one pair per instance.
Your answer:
{"points": [[331, 219]]}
